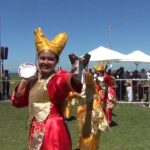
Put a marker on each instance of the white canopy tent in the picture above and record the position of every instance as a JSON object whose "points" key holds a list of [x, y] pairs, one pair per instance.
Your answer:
{"points": [[105, 54], [111, 56], [137, 57]]}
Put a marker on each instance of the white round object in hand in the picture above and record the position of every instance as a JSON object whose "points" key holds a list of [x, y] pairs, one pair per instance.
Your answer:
{"points": [[27, 70]]}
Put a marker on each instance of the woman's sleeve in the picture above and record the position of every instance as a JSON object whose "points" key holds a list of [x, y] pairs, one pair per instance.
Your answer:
{"points": [[22, 100], [60, 85]]}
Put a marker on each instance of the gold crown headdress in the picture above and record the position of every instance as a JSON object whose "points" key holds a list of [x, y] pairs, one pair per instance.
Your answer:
{"points": [[100, 67], [55, 45]]}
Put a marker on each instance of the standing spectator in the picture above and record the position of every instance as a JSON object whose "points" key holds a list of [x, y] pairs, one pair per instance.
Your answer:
{"points": [[127, 75], [129, 91], [143, 74], [6, 84], [138, 90], [121, 89], [148, 74]]}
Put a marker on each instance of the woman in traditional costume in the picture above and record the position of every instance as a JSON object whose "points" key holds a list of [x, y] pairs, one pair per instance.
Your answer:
{"points": [[111, 96], [90, 116], [45, 94], [99, 80], [105, 86]]}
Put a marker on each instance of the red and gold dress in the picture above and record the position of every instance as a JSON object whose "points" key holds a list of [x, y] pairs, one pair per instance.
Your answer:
{"points": [[45, 99]]}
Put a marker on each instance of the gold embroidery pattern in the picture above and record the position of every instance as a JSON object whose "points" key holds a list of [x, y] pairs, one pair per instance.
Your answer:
{"points": [[39, 102], [96, 116], [39, 107], [37, 140], [41, 111], [99, 121]]}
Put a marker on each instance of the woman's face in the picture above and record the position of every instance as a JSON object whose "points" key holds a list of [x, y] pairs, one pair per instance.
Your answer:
{"points": [[47, 62]]}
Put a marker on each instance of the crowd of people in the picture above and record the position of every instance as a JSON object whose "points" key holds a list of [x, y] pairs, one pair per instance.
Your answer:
{"points": [[130, 85]]}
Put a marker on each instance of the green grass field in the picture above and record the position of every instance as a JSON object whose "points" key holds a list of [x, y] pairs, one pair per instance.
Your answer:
{"points": [[132, 131]]}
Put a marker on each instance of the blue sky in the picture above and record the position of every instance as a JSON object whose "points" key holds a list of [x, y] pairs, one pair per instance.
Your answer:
{"points": [[85, 21]]}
